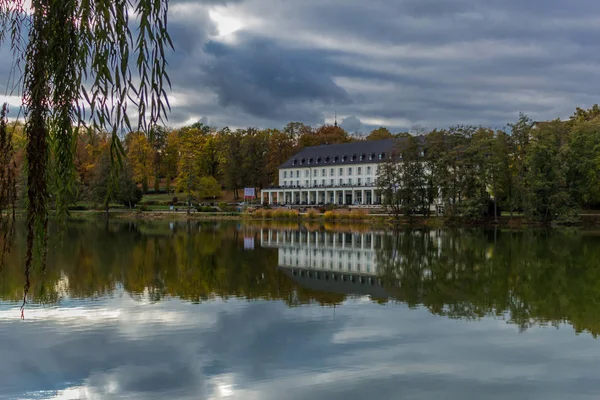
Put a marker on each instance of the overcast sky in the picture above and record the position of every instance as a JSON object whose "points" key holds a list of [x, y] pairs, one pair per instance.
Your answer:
{"points": [[397, 63]]}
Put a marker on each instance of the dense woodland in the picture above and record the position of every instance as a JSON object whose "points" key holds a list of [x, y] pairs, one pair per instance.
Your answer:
{"points": [[547, 171]]}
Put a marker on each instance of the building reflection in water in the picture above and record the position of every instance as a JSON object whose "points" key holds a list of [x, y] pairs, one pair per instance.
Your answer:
{"points": [[339, 262]]}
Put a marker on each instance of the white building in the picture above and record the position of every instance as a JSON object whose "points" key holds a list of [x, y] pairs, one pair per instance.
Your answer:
{"points": [[332, 174]]}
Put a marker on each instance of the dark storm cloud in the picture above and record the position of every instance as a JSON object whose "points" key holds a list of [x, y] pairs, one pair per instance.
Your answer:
{"points": [[395, 63], [267, 81]]}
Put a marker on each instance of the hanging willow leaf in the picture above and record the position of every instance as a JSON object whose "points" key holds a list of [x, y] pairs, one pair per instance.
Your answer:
{"points": [[77, 56], [8, 187]]}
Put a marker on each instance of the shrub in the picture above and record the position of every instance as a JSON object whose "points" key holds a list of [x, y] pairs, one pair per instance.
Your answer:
{"points": [[285, 214], [312, 213], [144, 207], [358, 214], [329, 215], [175, 200]]}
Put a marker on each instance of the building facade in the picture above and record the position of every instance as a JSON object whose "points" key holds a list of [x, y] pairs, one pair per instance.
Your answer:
{"points": [[343, 174]]}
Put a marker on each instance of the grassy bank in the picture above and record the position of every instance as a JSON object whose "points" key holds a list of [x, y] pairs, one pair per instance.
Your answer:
{"points": [[354, 217]]}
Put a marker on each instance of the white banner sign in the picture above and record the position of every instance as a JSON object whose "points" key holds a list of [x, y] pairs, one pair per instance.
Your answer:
{"points": [[249, 192]]}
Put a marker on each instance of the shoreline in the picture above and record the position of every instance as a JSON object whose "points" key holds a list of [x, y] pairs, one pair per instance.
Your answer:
{"points": [[586, 220]]}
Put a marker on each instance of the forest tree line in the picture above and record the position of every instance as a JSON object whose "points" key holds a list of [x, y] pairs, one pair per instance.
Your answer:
{"points": [[546, 170]]}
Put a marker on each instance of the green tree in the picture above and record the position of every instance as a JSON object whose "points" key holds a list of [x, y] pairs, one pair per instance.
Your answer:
{"points": [[209, 188], [188, 169], [521, 132], [379, 134], [158, 141], [583, 162], [547, 195], [170, 158], [501, 179], [127, 192], [233, 155]]}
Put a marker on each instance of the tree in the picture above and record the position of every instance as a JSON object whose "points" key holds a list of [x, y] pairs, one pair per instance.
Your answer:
{"points": [[209, 188], [158, 140], [73, 50], [379, 134], [281, 148], [389, 180], [127, 192], [521, 132], [501, 183], [547, 197], [140, 156], [254, 147], [188, 169], [170, 159], [402, 181], [209, 156], [583, 162], [232, 154], [326, 134]]}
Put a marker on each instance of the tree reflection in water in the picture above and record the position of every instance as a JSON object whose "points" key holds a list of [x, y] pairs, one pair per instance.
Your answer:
{"points": [[528, 278]]}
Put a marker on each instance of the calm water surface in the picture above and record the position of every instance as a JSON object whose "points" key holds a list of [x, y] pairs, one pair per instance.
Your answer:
{"points": [[211, 311]]}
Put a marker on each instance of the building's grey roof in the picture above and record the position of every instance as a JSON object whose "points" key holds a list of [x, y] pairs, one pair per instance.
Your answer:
{"points": [[325, 154]]}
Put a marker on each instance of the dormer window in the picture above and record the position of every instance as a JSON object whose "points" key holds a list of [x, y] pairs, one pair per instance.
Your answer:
{"points": [[302, 161], [294, 162], [335, 159], [310, 160], [344, 158], [372, 156], [318, 160], [326, 160]]}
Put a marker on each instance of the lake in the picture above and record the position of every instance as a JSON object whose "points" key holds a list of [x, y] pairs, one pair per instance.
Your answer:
{"points": [[224, 310]]}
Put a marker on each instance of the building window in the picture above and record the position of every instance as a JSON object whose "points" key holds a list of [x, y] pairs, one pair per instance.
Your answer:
{"points": [[284, 183], [315, 172], [344, 158], [359, 171], [341, 181], [306, 173], [331, 182], [315, 182], [368, 179], [285, 174], [341, 172], [297, 174], [323, 172], [297, 183], [349, 171], [322, 182], [331, 172], [306, 182], [368, 170], [359, 182]]}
